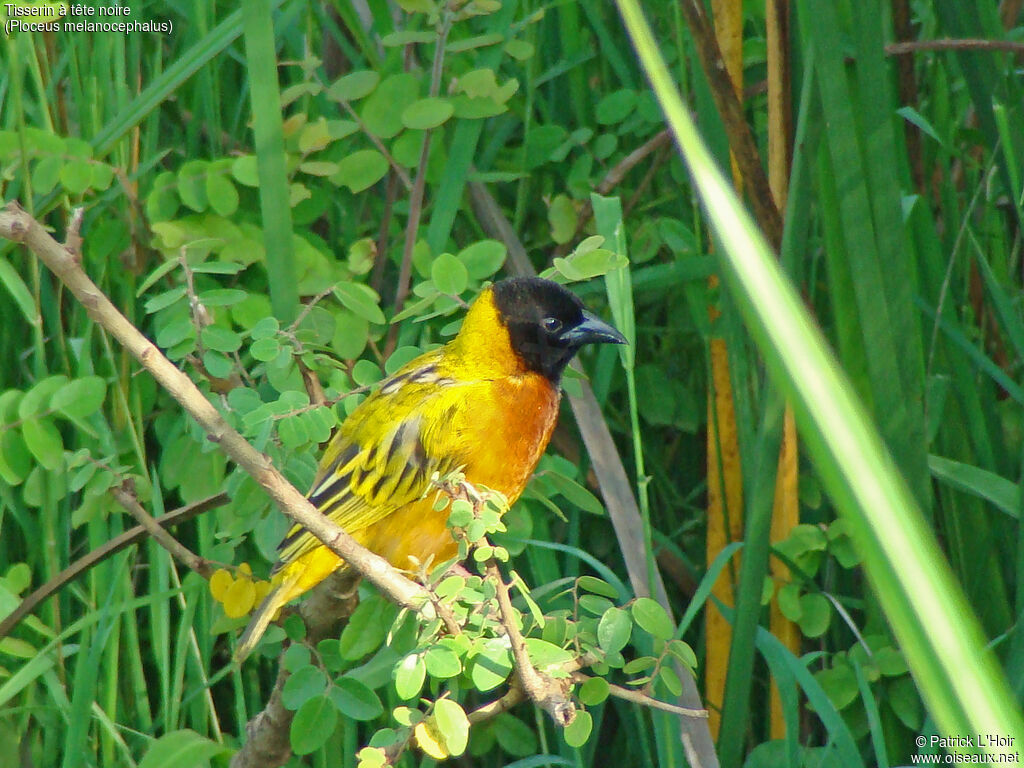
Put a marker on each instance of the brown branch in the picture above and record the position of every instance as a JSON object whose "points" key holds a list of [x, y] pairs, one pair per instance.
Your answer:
{"points": [[550, 694], [125, 495], [100, 554], [73, 237], [20, 227], [741, 138], [268, 740], [946, 44], [613, 178], [641, 698]]}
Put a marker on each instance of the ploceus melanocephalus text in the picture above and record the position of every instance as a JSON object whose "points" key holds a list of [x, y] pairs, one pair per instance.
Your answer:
{"points": [[484, 404]]}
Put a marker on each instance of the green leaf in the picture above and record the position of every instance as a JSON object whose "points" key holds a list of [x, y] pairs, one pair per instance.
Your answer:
{"points": [[355, 699], [361, 169], [37, 399], [265, 350], [410, 673], [176, 331], [427, 113], [479, 84], [613, 630], [563, 218], [222, 194], [574, 492], [102, 176], [76, 176], [905, 701], [670, 679], [408, 37], [683, 652], [312, 725], [162, 202], [319, 168], [80, 397], [367, 628], [652, 618], [816, 613], [520, 50], [351, 333], [304, 683], [595, 604], [222, 297], [192, 185], [442, 662], [453, 724], [382, 111], [362, 300], [15, 460], [181, 749], [546, 656], [597, 586], [839, 684], [221, 339], [43, 441], [491, 665], [354, 85], [483, 258], [578, 731], [264, 328], [615, 107], [19, 291], [477, 41], [594, 263], [450, 275], [46, 174], [789, 602], [245, 170], [594, 691], [417, 6], [165, 299]]}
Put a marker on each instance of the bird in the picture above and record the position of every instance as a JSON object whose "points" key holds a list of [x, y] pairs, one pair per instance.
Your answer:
{"points": [[484, 404]]}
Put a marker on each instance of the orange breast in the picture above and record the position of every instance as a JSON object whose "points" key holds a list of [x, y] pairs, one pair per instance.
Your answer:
{"points": [[502, 437], [506, 433]]}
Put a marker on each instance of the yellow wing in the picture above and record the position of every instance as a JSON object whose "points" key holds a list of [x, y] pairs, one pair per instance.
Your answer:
{"points": [[384, 455]]}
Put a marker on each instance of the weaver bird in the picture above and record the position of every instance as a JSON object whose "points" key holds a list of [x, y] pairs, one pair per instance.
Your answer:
{"points": [[485, 404]]}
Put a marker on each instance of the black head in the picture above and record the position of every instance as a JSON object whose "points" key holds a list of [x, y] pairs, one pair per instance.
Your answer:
{"points": [[547, 323]]}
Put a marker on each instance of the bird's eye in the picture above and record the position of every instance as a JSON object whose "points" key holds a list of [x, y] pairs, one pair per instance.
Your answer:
{"points": [[552, 324]]}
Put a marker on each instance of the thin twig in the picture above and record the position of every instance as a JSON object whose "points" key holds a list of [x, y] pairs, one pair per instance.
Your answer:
{"points": [[125, 495], [548, 693], [416, 195], [101, 554], [613, 178], [638, 697], [946, 44]]}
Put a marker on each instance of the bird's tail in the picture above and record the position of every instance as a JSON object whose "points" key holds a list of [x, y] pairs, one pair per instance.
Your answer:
{"points": [[281, 593]]}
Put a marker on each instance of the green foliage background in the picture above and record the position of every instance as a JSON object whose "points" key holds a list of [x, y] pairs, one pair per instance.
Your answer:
{"points": [[215, 196]]}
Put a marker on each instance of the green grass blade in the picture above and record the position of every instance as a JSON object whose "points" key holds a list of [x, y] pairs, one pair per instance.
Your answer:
{"points": [[261, 60], [168, 81]]}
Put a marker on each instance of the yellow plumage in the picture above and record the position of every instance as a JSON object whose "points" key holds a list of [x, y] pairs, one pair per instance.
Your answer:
{"points": [[485, 404]]}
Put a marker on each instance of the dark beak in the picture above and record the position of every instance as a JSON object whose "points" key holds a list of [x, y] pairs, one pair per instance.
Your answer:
{"points": [[593, 330]]}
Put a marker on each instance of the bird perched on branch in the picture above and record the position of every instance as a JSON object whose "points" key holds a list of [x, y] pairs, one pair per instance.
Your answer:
{"points": [[485, 404]]}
